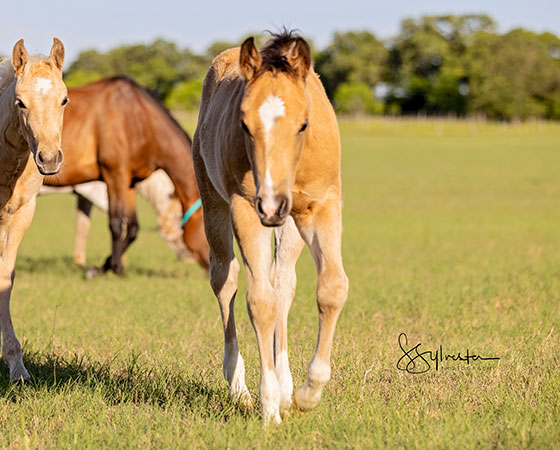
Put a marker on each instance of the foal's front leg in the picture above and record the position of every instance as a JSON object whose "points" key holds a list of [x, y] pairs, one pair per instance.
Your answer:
{"points": [[11, 348], [256, 246], [288, 246], [322, 233]]}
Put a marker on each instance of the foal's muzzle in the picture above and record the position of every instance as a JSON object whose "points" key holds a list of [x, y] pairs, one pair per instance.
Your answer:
{"points": [[47, 164], [272, 211]]}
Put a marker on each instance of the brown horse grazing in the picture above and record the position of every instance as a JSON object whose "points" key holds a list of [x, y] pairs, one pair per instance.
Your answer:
{"points": [[267, 154], [116, 132], [32, 99]]}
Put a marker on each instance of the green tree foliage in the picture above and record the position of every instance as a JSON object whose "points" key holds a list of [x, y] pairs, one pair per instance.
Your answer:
{"points": [[185, 95], [515, 75], [436, 65], [158, 66], [356, 99], [353, 57], [426, 64]]}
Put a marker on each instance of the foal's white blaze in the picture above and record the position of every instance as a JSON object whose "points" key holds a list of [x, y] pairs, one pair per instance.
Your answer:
{"points": [[43, 85], [268, 204], [269, 111]]}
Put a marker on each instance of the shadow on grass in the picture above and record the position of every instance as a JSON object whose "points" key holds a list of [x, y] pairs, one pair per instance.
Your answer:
{"points": [[128, 383], [57, 264], [65, 265]]}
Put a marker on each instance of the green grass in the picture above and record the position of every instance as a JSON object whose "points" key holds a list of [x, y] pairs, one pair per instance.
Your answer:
{"points": [[451, 234]]}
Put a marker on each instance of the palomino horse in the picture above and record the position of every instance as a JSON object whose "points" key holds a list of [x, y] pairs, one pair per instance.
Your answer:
{"points": [[267, 154], [116, 132], [32, 100], [158, 190]]}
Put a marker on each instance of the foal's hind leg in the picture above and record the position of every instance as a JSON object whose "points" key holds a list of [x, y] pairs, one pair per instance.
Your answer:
{"points": [[288, 246], [11, 348], [322, 233]]}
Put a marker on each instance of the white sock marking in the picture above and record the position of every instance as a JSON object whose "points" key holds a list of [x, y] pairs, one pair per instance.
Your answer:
{"points": [[43, 85]]}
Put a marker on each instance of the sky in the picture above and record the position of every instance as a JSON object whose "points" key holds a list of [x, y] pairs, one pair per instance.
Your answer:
{"points": [[103, 24]]}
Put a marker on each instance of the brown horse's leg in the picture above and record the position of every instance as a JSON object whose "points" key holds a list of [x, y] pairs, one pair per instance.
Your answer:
{"points": [[224, 269], [132, 225], [255, 244], [323, 236], [11, 348], [119, 194], [83, 212], [288, 246]]}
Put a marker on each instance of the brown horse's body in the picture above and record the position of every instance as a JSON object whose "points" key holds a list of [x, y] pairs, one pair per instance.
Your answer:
{"points": [[116, 132], [267, 154], [32, 100]]}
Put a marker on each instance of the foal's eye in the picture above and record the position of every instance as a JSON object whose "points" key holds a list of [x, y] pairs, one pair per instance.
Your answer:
{"points": [[65, 101], [303, 127], [20, 104], [245, 128]]}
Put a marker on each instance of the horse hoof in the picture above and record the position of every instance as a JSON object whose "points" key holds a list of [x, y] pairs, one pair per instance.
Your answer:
{"points": [[306, 398], [93, 272]]}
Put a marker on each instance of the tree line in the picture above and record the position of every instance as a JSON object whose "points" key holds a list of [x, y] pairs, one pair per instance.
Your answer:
{"points": [[436, 65]]}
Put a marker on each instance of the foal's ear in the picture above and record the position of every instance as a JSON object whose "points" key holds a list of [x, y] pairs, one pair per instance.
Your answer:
{"points": [[19, 56], [299, 57], [249, 59], [57, 53]]}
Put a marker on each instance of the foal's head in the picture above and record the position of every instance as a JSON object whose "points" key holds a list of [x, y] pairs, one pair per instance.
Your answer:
{"points": [[274, 115], [40, 99]]}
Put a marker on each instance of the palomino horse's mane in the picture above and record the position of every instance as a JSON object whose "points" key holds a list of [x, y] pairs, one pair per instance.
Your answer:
{"points": [[6, 73], [146, 94], [273, 54]]}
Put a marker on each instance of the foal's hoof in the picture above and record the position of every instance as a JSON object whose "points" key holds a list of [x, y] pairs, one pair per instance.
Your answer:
{"points": [[93, 272], [19, 375], [307, 398]]}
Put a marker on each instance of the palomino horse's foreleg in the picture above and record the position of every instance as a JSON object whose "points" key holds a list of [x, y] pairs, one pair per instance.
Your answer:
{"points": [[323, 236], [288, 246], [11, 348], [83, 212], [256, 246]]}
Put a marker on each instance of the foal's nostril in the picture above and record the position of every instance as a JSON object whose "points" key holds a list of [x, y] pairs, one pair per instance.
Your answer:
{"points": [[59, 157], [283, 208], [40, 158], [258, 204]]}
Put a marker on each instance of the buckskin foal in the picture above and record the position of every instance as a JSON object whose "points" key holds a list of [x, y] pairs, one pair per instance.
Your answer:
{"points": [[267, 158], [32, 99]]}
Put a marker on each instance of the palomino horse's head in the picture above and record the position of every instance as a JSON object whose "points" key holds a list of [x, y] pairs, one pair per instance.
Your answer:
{"points": [[274, 113], [40, 99]]}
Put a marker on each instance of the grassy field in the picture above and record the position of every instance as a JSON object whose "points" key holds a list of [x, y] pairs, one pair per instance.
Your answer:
{"points": [[451, 235]]}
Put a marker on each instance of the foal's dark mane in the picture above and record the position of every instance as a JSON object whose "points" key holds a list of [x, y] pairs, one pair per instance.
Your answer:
{"points": [[147, 94], [273, 54]]}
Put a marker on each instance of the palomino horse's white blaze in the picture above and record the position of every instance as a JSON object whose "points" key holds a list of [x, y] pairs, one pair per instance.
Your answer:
{"points": [[43, 85], [270, 110]]}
